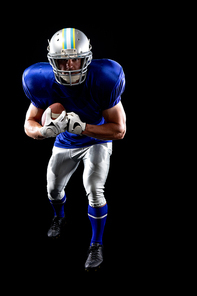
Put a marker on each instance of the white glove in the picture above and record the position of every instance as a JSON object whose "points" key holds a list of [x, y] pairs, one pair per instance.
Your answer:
{"points": [[52, 128], [75, 125]]}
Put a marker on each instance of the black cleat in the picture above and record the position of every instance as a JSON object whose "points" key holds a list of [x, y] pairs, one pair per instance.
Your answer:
{"points": [[95, 257], [56, 227]]}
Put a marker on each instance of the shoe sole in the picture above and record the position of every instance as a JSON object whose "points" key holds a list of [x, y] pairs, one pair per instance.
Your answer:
{"points": [[54, 237], [95, 269]]}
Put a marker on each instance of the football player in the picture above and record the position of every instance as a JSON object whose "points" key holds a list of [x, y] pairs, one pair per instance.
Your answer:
{"points": [[90, 90]]}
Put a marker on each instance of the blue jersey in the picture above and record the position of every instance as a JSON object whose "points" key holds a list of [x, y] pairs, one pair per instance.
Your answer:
{"points": [[101, 90]]}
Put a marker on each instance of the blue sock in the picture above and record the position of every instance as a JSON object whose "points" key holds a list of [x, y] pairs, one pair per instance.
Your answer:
{"points": [[58, 206], [98, 217]]}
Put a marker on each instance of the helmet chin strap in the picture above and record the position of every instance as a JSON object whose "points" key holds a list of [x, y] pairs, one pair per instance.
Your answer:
{"points": [[74, 78]]}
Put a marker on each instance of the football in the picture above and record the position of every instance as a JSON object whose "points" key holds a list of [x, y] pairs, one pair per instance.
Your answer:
{"points": [[56, 110]]}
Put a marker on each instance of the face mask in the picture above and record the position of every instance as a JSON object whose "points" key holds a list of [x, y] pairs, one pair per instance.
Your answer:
{"points": [[70, 78]]}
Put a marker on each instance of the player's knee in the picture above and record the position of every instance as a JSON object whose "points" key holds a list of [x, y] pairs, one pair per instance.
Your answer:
{"points": [[96, 197], [55, 194]]}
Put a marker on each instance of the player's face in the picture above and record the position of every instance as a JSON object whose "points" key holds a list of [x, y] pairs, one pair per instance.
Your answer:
{"points": [[69, 65]]}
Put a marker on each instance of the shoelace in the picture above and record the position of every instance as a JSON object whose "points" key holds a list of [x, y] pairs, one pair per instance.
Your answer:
{"points": [[94, 252], [55, 224]]}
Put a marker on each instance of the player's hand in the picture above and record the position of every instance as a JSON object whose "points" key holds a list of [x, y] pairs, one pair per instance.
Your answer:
{"points": [[75, 125], [52, 128]]}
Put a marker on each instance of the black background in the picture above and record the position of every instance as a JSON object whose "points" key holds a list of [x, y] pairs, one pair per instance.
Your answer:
{"points": [[128, 225]]}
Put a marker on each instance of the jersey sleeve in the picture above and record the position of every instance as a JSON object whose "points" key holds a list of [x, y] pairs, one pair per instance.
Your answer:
{"points": [[34, 86], [113, 85], [116, 92]]}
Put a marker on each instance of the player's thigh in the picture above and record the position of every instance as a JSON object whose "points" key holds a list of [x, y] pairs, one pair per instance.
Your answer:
{"points": [[60, 167], [96, 166]]}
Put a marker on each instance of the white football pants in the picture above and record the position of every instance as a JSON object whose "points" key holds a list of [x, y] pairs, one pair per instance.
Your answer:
{"points": [[64, 162]]}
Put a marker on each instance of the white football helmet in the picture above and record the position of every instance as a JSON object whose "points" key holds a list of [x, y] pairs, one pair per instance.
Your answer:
{"points": [[69, 43]]}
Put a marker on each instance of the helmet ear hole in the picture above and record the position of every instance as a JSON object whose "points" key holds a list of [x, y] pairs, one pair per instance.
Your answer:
{"points": [[82, 62], [56, 63]]}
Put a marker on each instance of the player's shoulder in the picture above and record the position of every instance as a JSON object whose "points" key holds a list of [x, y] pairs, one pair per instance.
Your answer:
{"points": [[106, 78], [105, 69], [105, 64], [38, 76]]}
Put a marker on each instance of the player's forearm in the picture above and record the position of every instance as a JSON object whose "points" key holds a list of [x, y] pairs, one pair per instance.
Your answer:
{"points": [[32, 129], [108, 131]]}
